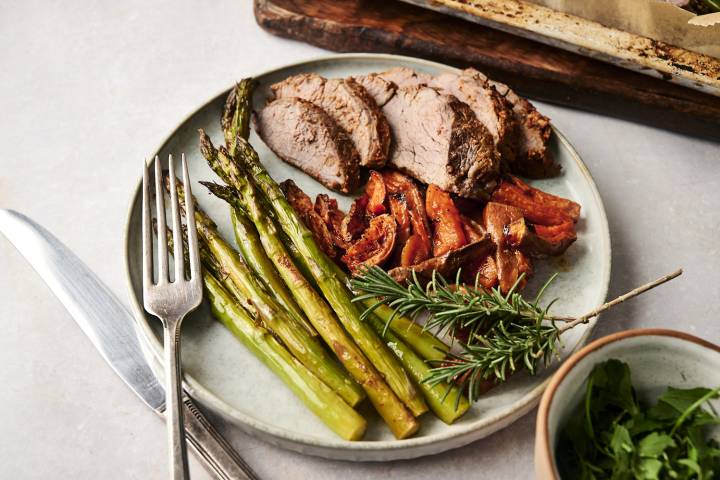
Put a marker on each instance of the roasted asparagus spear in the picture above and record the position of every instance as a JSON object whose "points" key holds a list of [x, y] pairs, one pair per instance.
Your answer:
{"points": [[316, 309], [337, 295], [255, 298]]}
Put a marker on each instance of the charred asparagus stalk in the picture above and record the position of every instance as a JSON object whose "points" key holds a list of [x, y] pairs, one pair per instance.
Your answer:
{"points": [[322, 270], [423, 342], [306, 348], [317, 310], [318, 397], [236, 113], [446, 401], [254, 255]]}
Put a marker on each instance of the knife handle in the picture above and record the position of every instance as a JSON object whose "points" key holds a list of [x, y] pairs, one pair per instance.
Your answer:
{"points": [[216, 455]]}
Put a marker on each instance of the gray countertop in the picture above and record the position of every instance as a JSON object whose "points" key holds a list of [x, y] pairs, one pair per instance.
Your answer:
{"points": [[91, 88]]}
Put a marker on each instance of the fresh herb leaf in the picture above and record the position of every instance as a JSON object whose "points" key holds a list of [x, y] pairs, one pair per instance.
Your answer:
{"points": [[654, 444], [611, 435]]}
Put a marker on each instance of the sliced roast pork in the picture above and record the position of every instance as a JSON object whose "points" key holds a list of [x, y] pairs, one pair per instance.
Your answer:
{"points": [[352, 108], [405, 77], [439, 140], [380, 90], [304, 135], [491, 108], [534, 158]]}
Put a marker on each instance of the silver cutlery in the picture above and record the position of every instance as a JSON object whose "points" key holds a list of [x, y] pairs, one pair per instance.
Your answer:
{"points": [[112, 330], [171, 299]]}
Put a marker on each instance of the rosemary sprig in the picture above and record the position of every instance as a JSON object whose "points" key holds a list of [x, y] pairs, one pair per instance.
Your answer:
{"points": [[506, 332], [472, 309]]}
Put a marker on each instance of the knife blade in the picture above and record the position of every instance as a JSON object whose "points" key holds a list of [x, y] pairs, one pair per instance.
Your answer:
{"points": [[111, 329]]}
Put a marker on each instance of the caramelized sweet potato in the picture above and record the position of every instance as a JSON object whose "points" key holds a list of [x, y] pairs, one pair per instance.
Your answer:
{"points": [[446, 264], [537, 206], [304, 207], [375, 191], [556, 233], [398, 184], [496, 217], [521, 236], [483, 269], [399, 211], [447, 225], [355, 222], [472, 229], [328, 210], [414, 251], [374, 246]]}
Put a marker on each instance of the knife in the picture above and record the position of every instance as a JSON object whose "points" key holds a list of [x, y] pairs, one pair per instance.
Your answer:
{"points": [[112, 330]]}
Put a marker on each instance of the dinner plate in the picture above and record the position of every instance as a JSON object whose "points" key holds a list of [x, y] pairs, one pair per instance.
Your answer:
{"points": [[227, 379]]}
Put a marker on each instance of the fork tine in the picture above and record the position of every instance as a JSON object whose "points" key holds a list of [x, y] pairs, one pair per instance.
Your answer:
{"points": [[177, 226], [162, 229], [147, 233], [191, 228]]}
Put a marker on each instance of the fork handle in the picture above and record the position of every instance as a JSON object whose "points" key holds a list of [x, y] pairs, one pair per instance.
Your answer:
{"points": [[173, 400], [218, 457]]}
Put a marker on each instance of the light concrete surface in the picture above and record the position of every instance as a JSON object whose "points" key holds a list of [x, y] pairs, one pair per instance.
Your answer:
{"points": [[91, 88]]}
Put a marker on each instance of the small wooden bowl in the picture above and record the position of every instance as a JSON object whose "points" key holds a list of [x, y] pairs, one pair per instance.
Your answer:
{"points": [[658, 358]]}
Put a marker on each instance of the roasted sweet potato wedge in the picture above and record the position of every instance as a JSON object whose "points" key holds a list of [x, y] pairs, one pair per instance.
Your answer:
{"points": [[496, 217], [446, 264], [355, 222], [414, 251], [375, 191], [374, 246], [328, 210], [537, 206], [521, 236], [483, 269], [398, 184], [302, 204], [399, 211], [473, 230], [448, 233], [556, 233]]}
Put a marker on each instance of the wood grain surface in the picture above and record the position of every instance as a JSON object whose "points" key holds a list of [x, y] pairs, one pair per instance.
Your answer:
{"points": [[534, 69]]}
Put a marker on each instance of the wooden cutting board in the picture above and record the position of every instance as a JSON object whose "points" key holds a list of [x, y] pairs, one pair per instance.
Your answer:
{"points": [[535, 70]]}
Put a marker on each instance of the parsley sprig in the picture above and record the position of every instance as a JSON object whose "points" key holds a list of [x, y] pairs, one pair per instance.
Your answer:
{"points": [[613, 435]]}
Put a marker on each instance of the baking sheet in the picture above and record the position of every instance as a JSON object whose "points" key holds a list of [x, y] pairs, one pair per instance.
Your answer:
{"points": [[650, 18], [590, 38]]}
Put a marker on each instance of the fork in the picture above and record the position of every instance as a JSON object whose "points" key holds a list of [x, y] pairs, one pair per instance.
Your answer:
{"points": [[171, 301]]}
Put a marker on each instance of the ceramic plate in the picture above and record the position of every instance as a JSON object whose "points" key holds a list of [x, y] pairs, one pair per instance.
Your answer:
{"points": [[227, 379]]}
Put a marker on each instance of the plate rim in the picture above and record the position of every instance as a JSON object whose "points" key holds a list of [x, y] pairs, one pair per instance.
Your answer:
{"points": [[367, 450]]}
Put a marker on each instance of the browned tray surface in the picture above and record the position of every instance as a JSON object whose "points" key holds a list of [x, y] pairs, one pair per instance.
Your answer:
{"points": [[536, 70]]}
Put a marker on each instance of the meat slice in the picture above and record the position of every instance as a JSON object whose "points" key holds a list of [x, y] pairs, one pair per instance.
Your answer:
{"points": [[439, 140], [380, 90], [305, 136], [534, 158], [352, 108], [490, 108], [405, 77]]}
